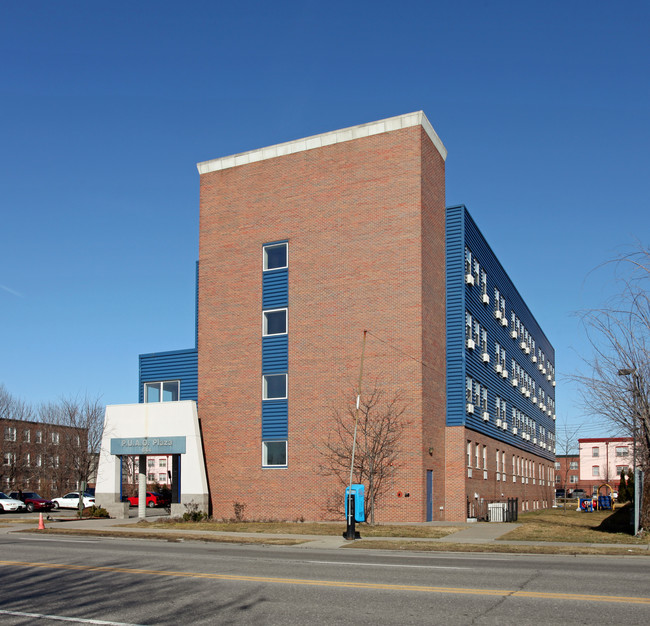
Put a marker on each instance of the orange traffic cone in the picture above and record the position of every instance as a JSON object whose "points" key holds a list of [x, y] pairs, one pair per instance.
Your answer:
{"points": [[41, 526]]}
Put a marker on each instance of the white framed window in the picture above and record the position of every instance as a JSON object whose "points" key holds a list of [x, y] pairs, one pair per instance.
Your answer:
{"points": [[55, 438], [622, 451], [151, 478], [573, 479], [162, 463], [274, 387], [274, 453], [476, 455], [39, 437], [162, 478], [10, 433], [557, 465], [469, 454], [9, 458], [151, 462], [275, 256], [27, 436], [274, 322], [162, 391], [573, 465], [595, 470]]}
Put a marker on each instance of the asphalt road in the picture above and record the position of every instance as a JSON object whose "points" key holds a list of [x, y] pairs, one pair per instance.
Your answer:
{"points": [[119, 581]]}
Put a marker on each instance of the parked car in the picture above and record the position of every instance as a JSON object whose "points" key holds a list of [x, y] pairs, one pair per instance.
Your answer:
{"points": [[153, 499], [578, 493], [71, 501], [32, 500], [560, 493], [8, 504]]}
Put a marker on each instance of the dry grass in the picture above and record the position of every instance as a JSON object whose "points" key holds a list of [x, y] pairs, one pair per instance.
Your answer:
{"points": [[574, 526], [425, 546], [176, 538], [307, 528]]}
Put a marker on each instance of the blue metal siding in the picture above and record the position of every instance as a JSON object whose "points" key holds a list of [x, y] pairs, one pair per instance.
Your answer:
{"points": [[274, 419], [275, 354], [275, 289], [175, 365], [462, 231], [455, 260]]}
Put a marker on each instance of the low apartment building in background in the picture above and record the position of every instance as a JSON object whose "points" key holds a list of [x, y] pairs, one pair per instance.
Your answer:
{"points": [[602, 460], [46, 458], [567, 472]]}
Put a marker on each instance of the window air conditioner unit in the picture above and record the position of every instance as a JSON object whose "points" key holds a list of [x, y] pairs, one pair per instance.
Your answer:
{"points": [[540, 367], [470, 344], [515, 382], [548, 412], [504, 373], [484, 474], [553, 415], [548, 377], [499, 368], [497, 314], [528, 393], [513, 334], [533, 359], [534, 439], [469, 279], [534, 400], [498, 476], [486, 299], [553, 383], [486, 357], [523, 345], [514, 430], [543, 371], [504, 321], [522, 389], [486, 416], [470, 408], [498, 423], [527, 350], [469, 472]]}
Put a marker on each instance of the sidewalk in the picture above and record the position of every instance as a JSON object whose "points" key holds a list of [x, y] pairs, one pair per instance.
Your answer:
{"points": [[477, 533]]}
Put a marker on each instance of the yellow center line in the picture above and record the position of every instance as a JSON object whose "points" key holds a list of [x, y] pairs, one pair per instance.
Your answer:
{"points": [[341, 584]]}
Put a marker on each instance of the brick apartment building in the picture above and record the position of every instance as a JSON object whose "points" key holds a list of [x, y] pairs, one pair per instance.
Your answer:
{"points": [[305, 245], [41, 457]]}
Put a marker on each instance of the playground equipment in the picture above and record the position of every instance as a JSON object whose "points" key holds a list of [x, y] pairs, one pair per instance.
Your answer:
{"points": [[599, 502]]}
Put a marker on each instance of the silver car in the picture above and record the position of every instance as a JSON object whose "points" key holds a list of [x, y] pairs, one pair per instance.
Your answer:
{"points": [[9, 504]]}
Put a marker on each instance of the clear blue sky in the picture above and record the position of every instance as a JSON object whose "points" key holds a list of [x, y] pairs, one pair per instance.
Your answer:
{"points": [[105, 109]]}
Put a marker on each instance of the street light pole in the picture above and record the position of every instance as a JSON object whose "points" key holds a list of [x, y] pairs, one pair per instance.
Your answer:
{"points": [[635, 390]]}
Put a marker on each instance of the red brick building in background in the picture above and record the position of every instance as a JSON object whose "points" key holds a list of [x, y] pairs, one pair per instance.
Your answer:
{"points": [[305, 245]]}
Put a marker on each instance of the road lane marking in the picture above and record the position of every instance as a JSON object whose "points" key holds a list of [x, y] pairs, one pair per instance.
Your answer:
{"points": [[384, 565], [339, 584], [61, 618]]}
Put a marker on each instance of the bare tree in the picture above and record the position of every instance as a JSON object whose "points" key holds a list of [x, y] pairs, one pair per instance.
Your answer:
{"points": [[617, 387], [566, 443], [377, 456], [75, 433]]}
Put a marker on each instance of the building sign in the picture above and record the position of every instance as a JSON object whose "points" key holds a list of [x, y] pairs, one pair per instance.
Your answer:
{"points": [[148, 445]]}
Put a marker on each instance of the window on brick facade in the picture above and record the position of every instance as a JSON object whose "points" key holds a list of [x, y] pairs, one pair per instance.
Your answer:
{"points": [[274, 453], [39, 437], [275, 256], [274, 322], [27, 436], [573, 465], [55, 438], [573, 479], [10, 433], [557, 465], [274, 387]]}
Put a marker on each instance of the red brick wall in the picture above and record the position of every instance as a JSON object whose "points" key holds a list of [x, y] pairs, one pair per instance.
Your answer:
{"points": [[365, 224]]}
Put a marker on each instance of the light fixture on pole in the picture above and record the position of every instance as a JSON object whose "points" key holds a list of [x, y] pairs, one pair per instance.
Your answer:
{"points": [[631, 371]]}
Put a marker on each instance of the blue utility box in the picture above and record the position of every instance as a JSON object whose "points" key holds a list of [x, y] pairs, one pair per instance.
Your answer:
{"points": [[359, 507]]}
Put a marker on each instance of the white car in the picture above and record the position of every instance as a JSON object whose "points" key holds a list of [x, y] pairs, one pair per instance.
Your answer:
{"points": [[71, 501], [9, 504]]}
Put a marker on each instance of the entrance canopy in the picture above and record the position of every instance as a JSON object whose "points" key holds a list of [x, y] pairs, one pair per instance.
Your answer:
{"points": [[152, 429]]}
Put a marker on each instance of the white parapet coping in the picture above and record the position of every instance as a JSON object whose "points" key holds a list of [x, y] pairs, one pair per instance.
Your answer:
{"points": [[326, 139]]}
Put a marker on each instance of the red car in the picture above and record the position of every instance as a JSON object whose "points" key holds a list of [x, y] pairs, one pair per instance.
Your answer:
{"points": [[33, 502], [153, 499]]}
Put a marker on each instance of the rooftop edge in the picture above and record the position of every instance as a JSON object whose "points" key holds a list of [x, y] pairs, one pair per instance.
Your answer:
{"points": [[326, 139]]}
